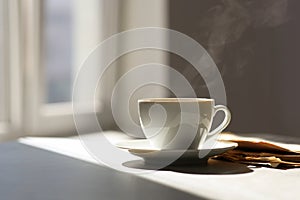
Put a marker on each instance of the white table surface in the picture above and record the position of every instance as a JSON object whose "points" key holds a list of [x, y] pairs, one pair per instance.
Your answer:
{"points": [[218, 180]]}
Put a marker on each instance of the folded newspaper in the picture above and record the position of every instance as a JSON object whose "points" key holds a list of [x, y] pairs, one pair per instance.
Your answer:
{"points": [[262, 152]]}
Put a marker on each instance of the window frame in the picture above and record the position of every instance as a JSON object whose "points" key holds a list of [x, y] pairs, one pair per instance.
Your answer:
{"points": [[11, 127], [3, 83]]}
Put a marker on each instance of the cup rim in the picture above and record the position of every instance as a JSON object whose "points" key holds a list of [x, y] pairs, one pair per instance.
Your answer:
{"points": [[175, 100]]}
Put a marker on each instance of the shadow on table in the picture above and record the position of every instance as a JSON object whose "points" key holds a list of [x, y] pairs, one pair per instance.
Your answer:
{"points": [[212, 167]]}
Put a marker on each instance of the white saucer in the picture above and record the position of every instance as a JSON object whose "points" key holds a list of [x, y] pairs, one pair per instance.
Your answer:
{"points": [[142, 148]]}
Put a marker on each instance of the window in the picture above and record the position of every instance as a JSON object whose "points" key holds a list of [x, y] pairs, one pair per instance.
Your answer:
{"points": [[44, 44], [57, 23], [59, 35]]}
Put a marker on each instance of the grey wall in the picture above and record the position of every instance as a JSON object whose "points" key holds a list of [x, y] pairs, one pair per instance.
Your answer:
{"points": [[256, 47]]}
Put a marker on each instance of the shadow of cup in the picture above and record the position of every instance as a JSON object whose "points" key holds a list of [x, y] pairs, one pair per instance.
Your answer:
{"points": [[212, 167]]}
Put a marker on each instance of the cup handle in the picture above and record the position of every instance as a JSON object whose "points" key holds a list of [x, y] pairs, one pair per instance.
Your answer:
{"points": [[225, 122]]}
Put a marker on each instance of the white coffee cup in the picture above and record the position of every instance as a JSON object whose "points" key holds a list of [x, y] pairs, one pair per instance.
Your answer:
{"points": [[180, 123]]}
